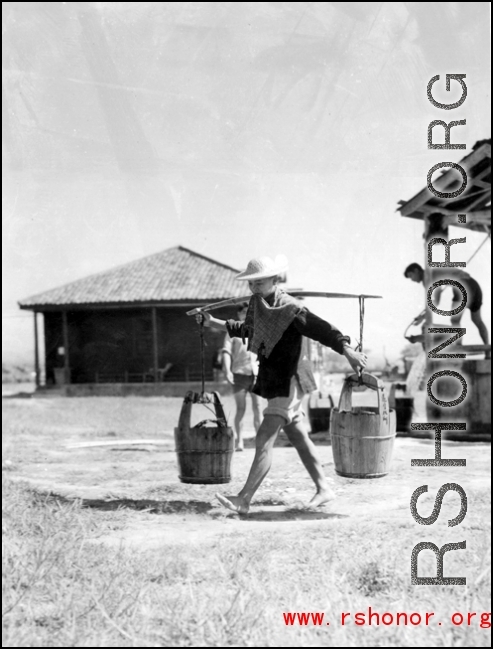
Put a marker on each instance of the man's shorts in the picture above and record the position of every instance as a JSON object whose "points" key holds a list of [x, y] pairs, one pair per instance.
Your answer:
{"points": [[290, 408], [243, 382], [474, 295], [474, 301]]}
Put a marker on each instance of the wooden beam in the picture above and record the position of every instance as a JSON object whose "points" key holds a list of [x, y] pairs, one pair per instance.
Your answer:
{"points": [[36, 349], [417, 201], [469, 349], [482, 183], [472, 215], [450, 216], [295, 293], [42, 308], [66, 355], [155, 348]]}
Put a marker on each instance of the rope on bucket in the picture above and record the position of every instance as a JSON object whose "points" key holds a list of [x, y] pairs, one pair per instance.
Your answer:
{"points": [[202, 354], [361, 301], [205, 399]]}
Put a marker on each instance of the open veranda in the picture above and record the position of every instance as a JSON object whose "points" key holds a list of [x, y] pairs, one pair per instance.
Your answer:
{"points": [[104, 546]]}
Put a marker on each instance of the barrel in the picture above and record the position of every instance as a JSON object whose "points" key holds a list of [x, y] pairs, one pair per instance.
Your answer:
{"points": [[319, 409], [474, 410], [204, 451], [362, 437], [403, 404]]}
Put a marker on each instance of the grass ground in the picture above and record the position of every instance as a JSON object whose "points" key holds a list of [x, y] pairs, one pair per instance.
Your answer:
{"points": [[103, 546]]}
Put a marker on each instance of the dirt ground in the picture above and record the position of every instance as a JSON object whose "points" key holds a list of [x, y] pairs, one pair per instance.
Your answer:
{"points": [[120, 476]]}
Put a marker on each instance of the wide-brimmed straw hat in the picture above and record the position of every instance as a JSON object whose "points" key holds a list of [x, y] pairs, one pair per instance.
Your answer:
{"points": [[264, 267]]}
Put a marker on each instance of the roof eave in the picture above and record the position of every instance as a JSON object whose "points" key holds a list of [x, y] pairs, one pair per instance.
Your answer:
{"points": [[476, 219], [117, 305]]}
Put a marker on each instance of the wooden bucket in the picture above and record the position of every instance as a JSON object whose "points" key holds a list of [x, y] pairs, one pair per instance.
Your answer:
{"points": [[204, 451], [362, 437], [319, 409]]}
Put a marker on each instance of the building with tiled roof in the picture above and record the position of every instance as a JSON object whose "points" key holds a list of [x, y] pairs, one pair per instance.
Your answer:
{"points": [[129, 324], [175, 275]]}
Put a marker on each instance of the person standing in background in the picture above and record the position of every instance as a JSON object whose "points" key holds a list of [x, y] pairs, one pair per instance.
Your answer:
{"points": [[241, 369]]}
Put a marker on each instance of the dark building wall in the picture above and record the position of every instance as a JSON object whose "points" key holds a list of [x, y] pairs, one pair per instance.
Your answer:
{"points": [[115, 345], [179, 343], [53, 334], [103, 342]]}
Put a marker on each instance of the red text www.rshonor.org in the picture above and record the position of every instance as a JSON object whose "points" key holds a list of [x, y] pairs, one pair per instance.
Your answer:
{"points": [[372, 618]]}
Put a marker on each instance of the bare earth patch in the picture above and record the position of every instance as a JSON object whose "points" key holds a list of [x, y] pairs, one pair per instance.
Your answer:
{"points": [[140, 559], [143, 481]]}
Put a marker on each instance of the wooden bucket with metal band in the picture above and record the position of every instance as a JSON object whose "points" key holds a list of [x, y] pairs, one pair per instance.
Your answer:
{"points": [[362, 437], [204, 451]]}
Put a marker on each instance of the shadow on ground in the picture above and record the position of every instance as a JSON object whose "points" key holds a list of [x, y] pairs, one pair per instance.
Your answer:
{"points": [[263, 512], [149, 506], [18, 395], [288, 515]]}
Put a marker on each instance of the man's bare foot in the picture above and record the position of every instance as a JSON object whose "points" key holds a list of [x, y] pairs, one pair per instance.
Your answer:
{"points": [[240, 447], [320, 498], [234, 503]]}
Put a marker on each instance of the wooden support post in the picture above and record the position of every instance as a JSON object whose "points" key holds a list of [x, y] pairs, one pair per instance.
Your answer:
{"points": [[155, 349], [431, 229], [36, 350], [434, 226], [66, 356]]}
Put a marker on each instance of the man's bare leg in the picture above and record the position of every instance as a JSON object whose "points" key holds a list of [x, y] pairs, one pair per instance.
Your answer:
{"points": [[482, 328], [264, 446], [240, 399], [297, 433], [256, 411]]}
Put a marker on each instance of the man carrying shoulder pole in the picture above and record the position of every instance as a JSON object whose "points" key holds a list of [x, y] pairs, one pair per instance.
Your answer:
{"points": [[275, 325]]}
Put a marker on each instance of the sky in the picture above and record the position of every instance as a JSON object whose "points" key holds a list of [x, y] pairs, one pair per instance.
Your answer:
{"points": [[235, 130]]}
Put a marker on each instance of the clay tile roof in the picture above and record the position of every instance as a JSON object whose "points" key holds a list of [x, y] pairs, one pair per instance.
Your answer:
{"points": [[173, 275]]}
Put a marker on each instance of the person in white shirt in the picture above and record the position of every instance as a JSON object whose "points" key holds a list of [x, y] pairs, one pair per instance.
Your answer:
{"points": [[241, 369]]}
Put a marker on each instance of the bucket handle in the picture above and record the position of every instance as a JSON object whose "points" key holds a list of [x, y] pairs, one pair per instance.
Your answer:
{"points": [[393, 389], [329, 397], [331, 400], [218, 407], [203, 398], [372, 382], [392, 395]]}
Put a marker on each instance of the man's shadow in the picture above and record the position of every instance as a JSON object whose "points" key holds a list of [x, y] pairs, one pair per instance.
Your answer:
{"points": [[271, 513], [197, 507]]}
